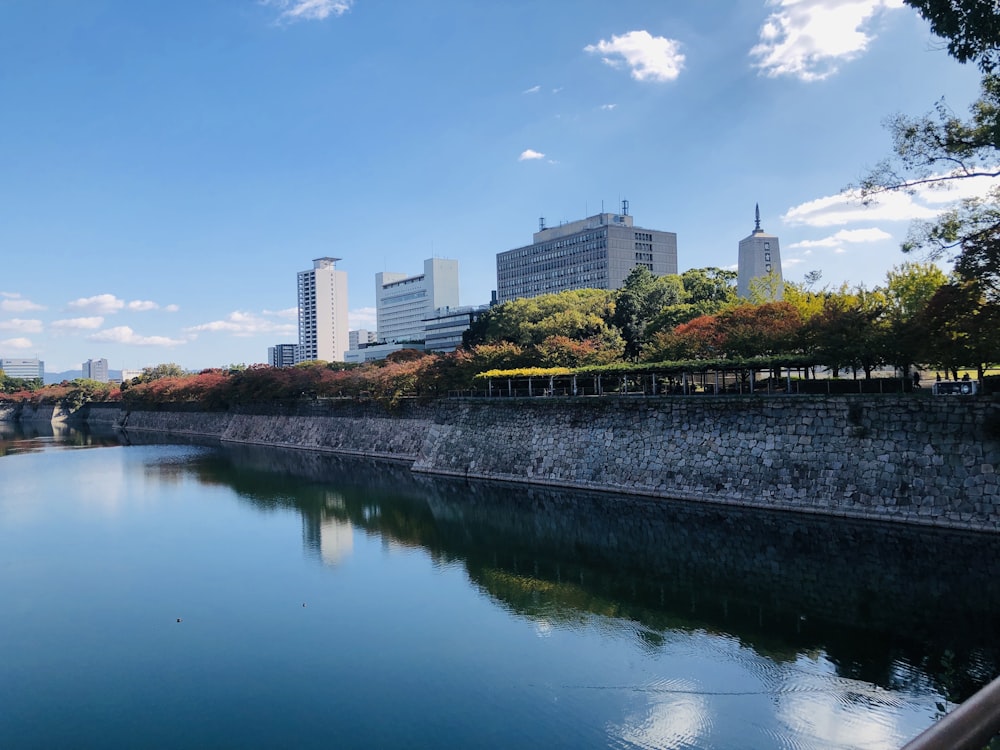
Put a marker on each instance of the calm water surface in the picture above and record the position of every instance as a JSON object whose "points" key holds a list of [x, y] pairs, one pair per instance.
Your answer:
{"points": [[167, 596]]}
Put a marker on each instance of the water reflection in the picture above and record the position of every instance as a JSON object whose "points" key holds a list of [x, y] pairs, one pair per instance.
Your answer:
{"points": [[901, 609], [31, 437]]}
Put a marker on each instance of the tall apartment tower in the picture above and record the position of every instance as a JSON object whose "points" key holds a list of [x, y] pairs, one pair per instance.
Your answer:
{"points": [[598, 252], [96, 369], [760, 258], [403, 302], [323, 312]]}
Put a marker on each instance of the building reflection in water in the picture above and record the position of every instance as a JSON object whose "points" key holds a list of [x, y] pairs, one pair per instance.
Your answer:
{"points": [[819, 616]]}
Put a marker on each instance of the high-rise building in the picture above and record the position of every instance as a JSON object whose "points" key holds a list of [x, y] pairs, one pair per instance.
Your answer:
{"points": [[760, 258], [323, 312], [27, 369], [282, 355], [96, 369], [402, 302], [598, 252]]}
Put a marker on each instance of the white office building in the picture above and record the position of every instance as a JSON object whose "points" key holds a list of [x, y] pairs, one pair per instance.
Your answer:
{"points": [[403, 302], [96, 369], [27, 369], [598, 252], [323, 330], [760, 258]]}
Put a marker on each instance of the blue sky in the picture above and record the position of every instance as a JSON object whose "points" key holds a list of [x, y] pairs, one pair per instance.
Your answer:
{"points": [[166, 167]]}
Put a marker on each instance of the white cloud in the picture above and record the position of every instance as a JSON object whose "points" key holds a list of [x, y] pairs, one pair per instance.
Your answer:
{"points": [[310, 10], [290, 313], [650, 58], [792, 261], [532, 90], [846, 236], [79, 324], [125, 335], [807, 39], [171, 308], [529, 154], [21, 326], [18, 343], [102, 304], [245, 324], [142, 305], [363, 317], [15, 304], [608, 107]]}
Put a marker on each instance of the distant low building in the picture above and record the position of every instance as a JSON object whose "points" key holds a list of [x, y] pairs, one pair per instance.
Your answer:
{"points": [[130, 374], [376, 352], [282, 355], [96, 369], [26, 369], [361, 338], [444, 329]]}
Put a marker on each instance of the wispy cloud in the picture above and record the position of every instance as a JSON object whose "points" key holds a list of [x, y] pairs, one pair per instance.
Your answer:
{"points": [[125, 335], [649, 58], [363, 317], [102, 304], [846, 236], [21, 326], [533, 90], [240, 323], [310, 10], [79, 324], [140, 305], [846, 208], [16, 343], [529, 154], [15, 304], [808, 39], [171, 308]]}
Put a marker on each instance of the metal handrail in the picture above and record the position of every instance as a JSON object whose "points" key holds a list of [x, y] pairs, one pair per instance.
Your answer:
{"points": [[969, 727]]}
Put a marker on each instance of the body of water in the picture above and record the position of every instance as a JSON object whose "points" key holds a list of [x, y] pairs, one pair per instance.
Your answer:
{"points": [[205, 596]]}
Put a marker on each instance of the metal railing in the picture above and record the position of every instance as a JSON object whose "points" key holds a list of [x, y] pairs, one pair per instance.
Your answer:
{"points": [[971, 726]]}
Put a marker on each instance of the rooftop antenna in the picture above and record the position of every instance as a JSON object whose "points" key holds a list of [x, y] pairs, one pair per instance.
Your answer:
{"points": [[541, 223], [756, 227], [625, 207]]}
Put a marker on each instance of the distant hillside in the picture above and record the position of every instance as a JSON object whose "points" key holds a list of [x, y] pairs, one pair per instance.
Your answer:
{"points": [[58, 377]]}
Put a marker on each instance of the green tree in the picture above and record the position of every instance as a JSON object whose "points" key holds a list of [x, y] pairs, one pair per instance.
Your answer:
{"points": [[637, 303], [972, 28], [706, 291], [961, 327], [940, 149], [168, 370], [578, 313]]}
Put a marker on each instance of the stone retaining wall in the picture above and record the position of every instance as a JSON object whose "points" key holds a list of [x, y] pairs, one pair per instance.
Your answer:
{"points": [[919, 459], [908, 458], [335, 426]]}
